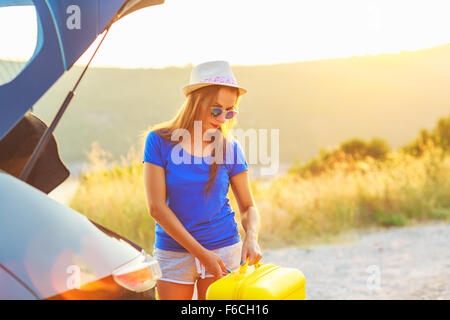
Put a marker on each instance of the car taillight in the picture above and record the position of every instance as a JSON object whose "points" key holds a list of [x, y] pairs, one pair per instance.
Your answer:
{"points": [[139, 274]]}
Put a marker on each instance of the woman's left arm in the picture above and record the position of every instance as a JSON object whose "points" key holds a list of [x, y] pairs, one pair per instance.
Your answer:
{"points": [[249, 217]]}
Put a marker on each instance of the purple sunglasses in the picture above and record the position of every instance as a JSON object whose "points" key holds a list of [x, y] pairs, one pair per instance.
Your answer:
{"points": [[217, 111]]}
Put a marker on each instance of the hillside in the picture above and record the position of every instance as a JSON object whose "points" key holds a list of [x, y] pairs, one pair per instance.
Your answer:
{"points": [[314, 104]]}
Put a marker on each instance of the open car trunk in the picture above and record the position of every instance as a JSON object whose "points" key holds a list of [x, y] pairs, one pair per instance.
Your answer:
{"points": [[28, 149]]}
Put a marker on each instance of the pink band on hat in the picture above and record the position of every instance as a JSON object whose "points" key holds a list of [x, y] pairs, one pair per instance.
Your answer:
{"points": [[220, 79]]}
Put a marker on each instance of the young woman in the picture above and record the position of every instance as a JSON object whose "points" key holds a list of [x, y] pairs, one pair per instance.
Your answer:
{"points": [[187, 182]]}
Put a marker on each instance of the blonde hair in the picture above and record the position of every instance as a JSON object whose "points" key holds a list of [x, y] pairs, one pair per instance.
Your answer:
{"points": [[188, 113]]}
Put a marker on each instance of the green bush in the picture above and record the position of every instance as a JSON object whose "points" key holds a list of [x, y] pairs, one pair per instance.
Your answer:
{"points": [[439, 136], [390, 220], [347, 152]]}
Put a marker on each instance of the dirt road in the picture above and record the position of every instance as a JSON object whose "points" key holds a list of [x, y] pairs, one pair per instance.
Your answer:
{"points": [[398, 263]]}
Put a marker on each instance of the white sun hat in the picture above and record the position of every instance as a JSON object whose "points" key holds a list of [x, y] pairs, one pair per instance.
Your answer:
{"points": [[210, 73]]}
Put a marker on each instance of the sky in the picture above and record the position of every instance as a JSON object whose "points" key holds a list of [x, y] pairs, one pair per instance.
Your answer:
{"points": [[249, 32]]}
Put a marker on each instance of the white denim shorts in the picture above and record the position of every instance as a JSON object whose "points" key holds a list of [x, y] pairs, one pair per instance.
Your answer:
{"points": [[183, 267]]}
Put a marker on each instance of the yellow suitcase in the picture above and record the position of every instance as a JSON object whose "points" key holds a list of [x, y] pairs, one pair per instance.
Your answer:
{"points": [[259, 282]]}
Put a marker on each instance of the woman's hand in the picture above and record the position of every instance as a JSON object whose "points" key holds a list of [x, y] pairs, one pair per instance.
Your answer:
{"points": [[213, 263], [250, 249]]}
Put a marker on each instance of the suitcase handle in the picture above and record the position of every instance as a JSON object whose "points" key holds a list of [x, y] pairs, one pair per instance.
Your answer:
{"points": [[244, 267]]}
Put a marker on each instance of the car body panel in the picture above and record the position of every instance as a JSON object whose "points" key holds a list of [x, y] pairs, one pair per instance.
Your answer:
{"points": [[12, 288], [50, 247]]}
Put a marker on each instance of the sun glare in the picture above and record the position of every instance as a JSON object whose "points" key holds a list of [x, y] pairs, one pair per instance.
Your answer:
{"points": [[256, 32]]}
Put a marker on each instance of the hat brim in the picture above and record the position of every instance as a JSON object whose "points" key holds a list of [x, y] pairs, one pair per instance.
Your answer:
{"points": [[192, 87]]}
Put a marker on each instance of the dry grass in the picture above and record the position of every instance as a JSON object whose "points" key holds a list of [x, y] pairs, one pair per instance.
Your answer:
{"points": [[294, 210], [399, 191]]}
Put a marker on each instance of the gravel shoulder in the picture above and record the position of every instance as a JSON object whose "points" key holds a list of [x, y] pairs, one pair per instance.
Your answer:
{"points": [[398, 263]]}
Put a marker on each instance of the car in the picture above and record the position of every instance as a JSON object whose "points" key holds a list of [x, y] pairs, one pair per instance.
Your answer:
{"points": [[48, 250]]}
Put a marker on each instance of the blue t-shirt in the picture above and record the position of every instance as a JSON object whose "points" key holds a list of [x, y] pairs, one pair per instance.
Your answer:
{"points": [[208, 218]]}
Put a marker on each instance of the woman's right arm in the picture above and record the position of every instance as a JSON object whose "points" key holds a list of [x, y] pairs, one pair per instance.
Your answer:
{"points": [[155, 188]]}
